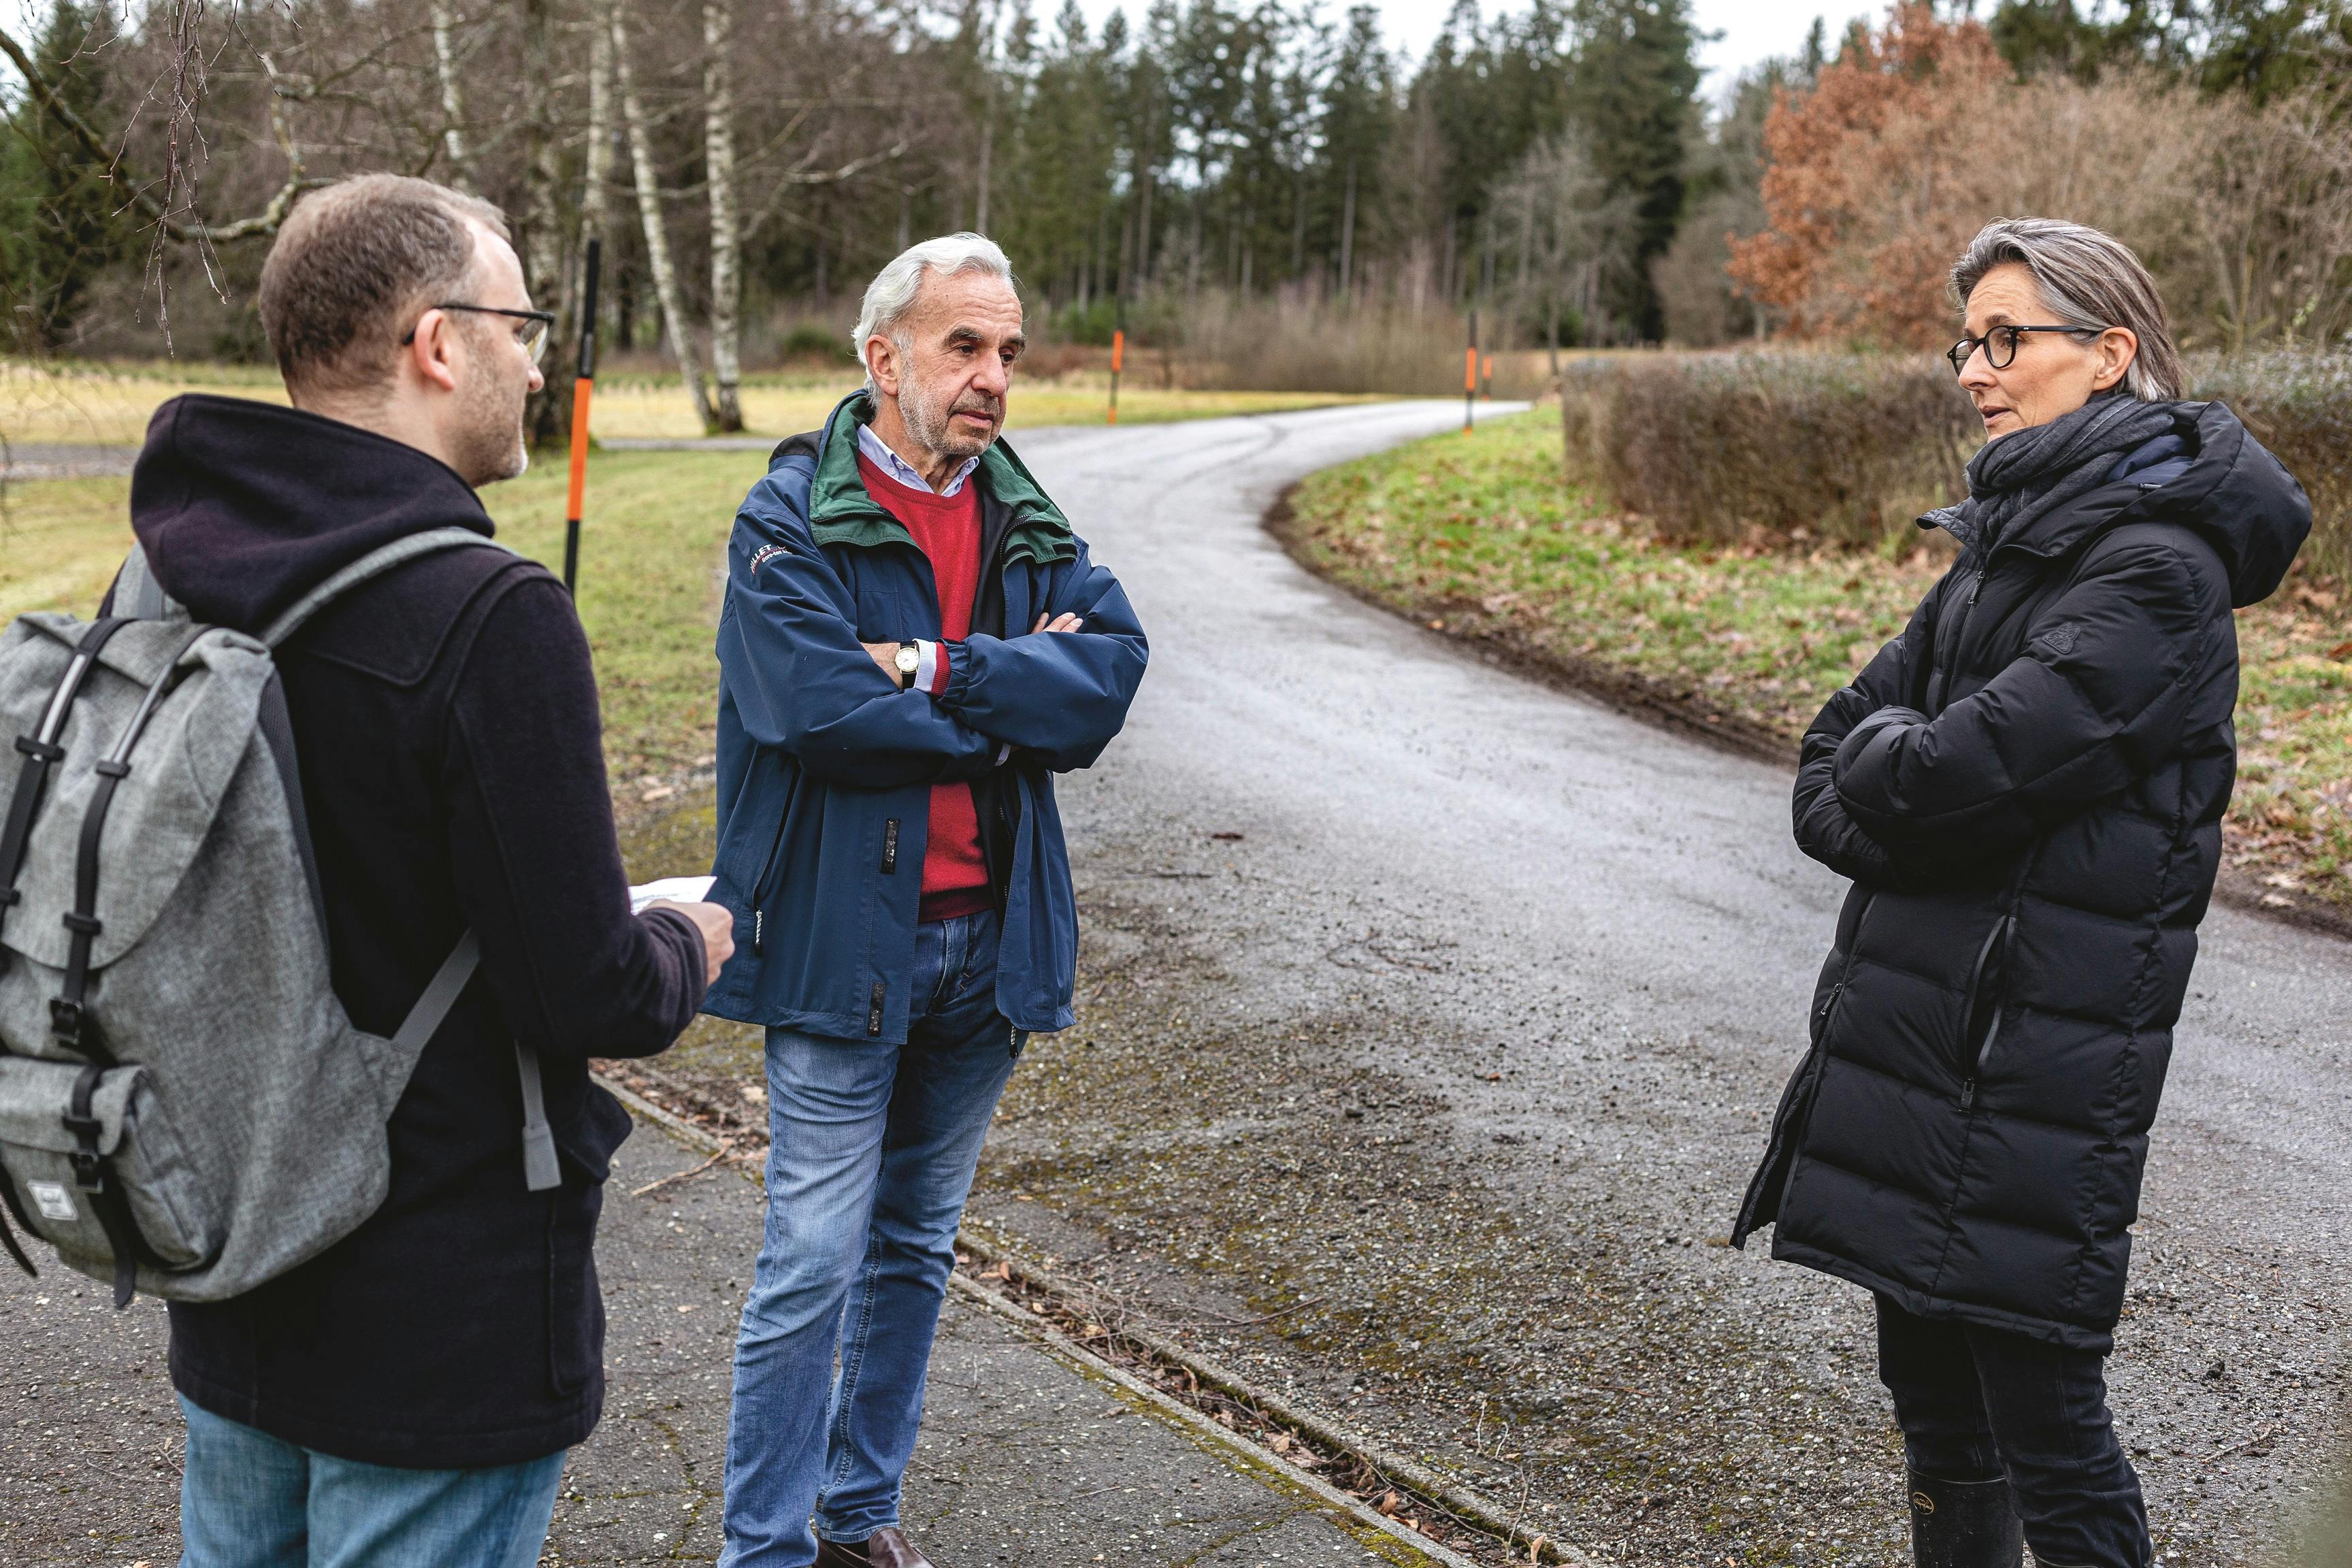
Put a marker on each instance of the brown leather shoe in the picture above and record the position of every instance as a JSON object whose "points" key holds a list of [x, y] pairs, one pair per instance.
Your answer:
{"points": [[885, 1548]]}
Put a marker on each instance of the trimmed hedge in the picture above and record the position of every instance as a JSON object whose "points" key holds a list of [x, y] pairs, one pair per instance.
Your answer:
{"points": [[1796, 446], [2299, 405], [1715, 448]]}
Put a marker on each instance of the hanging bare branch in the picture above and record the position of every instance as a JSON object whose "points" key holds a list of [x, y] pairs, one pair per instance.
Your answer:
{"points": [[183, 231]]}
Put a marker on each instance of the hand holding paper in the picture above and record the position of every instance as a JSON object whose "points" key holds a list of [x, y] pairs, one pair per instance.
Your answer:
{"points": [[687, 895]]}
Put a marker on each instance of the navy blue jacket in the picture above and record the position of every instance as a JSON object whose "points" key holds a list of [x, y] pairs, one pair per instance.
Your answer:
{"points": [[825, 767]]}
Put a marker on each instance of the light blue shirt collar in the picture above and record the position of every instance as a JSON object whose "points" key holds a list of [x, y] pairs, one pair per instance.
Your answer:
{"points": [[878, 452]]}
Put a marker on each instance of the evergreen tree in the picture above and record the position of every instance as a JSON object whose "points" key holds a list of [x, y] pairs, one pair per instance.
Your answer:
{"points": [[1636, 87], [58, 224], [1359, 121]]}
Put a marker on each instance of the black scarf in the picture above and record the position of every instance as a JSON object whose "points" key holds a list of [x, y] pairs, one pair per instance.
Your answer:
{"points": [[2017, 478]]}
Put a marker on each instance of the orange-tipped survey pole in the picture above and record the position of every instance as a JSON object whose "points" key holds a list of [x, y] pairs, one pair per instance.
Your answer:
{"points": [[583, 386], [1470, 375], [1118, 356]]}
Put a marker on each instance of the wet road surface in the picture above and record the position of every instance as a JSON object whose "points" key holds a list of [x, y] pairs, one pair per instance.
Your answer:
{"points": [[1028, 1456], [1430, 1021]]}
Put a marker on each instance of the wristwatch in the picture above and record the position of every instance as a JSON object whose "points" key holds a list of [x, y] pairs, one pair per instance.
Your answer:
{"points": [[907, 661]]}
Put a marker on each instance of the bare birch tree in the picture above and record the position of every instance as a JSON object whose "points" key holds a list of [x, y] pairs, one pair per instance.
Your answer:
{"points": [[646, 177], [595, 199], [453, 98], [726, 230]]}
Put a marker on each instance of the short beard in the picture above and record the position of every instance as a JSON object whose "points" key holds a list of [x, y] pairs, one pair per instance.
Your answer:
{"points": [[933, 427], [488, 445]]}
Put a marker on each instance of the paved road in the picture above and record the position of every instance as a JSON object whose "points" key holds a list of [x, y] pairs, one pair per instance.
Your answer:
{"points": [[1027, 1456], [1562, 957]]}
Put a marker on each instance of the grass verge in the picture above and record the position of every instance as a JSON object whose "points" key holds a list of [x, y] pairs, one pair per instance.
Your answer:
{"points": [[649, 582], [1480, 537], [109, 404]]}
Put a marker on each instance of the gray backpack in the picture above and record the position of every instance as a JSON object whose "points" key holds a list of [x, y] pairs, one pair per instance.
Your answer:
{"points": [[184, 1106]]}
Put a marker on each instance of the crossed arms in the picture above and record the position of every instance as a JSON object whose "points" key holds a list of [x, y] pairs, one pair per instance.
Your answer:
{"points": [[2103, 692], [804, 683]]}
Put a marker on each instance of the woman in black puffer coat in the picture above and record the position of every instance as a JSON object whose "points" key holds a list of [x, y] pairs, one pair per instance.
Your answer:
{"points": [[2027, 788]]}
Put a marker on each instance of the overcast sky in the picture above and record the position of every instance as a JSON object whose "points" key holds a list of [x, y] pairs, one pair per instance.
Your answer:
{"points": [[1751, 30]]}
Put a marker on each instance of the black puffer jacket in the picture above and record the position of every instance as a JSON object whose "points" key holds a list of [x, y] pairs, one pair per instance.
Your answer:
{"points": [[2027, 787]]}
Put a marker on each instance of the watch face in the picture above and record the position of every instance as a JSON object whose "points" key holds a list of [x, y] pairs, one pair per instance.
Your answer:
{"points": [[909, 660]]}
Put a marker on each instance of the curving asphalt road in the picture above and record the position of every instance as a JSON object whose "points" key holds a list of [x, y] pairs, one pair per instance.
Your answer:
{"points": [[1563, 957]]}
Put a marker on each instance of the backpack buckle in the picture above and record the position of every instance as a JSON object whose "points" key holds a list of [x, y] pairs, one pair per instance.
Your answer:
{"points": [[65, 1020], [89, 1174]]}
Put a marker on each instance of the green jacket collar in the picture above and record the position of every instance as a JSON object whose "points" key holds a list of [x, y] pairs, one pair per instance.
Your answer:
{"points": [[841, 511]]}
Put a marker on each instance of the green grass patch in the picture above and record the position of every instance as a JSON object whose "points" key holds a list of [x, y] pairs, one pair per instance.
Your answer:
{"points": [[109, 404], [1481, 535], [649, 584]]}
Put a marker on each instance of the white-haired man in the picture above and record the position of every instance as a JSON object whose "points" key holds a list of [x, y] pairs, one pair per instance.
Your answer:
{"points": [[913, 643]]}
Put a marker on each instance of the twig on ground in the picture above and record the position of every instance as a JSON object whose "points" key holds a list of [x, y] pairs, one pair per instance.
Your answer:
{"points": [[726, 1152]]}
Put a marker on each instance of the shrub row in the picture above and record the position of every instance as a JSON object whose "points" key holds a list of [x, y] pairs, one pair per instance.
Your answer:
{"points": [[1719, 448], [2299, 405], [1715, 448]]}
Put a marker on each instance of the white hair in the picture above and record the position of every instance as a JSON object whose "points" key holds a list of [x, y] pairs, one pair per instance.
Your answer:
{"points": [[896, 288]]}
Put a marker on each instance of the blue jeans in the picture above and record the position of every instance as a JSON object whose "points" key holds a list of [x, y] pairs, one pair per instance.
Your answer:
{"points": [[871, 1155], [250, 1501], [1977, 1404]]}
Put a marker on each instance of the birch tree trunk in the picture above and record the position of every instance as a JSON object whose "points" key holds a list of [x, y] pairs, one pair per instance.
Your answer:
{"points": [[726, 231], [546, 419], [594, 202], [680, 336], [453, 98]]}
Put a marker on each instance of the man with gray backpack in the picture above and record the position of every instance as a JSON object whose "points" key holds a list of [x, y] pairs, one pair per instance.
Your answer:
{"points": [[312, 916]]}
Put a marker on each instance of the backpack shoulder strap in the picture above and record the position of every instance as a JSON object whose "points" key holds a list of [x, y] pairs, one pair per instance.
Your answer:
{"points": [[375, 562], [539, 1167], [137, 594]]}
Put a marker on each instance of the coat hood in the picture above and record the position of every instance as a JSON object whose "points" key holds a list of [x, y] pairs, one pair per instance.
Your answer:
{"points": [[2251, 509], [243, 506], [2228, 489]]}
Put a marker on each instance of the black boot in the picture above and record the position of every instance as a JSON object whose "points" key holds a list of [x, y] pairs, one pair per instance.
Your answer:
{"points": [[1964, 1524]]}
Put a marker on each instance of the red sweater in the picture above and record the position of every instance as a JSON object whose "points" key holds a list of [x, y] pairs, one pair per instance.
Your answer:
{"points": [[947, 529]]}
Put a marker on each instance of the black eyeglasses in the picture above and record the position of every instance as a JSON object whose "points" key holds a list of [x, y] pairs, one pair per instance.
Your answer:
{"points": [[533, 337], [2000, 345]]}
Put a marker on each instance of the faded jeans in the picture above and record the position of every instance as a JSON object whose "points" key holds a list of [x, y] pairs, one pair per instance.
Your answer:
{"points": [[871, 1155], [1977, 1404], [251, 1500]]}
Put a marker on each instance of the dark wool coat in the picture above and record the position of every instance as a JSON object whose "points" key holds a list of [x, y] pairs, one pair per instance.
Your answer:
{"points": [[446, 719], [2027, 787]]}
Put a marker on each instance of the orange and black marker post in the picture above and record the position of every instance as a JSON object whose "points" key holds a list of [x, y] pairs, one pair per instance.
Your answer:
{"points": [[582, 386], [1470, 375], [1118, 355], [1487, 376]]}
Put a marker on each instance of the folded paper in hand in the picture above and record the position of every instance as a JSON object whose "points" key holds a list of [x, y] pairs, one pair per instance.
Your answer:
{"points": [[675, 889]]}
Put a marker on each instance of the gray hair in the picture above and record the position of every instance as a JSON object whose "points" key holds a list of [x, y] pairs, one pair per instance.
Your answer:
{"points": [[2089, 279], [896, 288]]}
